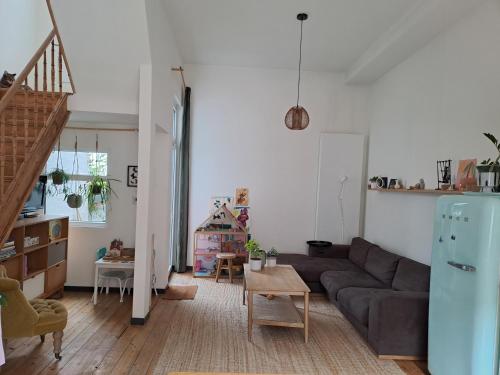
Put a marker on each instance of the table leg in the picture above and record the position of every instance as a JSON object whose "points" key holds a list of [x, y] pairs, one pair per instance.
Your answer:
{"points": [[306, 317], [219, 265], [244, 288], [96, 279], [250, 313], [230, 265]]}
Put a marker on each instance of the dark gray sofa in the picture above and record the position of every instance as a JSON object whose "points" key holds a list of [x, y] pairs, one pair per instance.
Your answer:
{"points": [[384, 296]]}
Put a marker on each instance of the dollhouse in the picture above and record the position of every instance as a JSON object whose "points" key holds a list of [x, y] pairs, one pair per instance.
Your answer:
{"points": [[220, 232]]}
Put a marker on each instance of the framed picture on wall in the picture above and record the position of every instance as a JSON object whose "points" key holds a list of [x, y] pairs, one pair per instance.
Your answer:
{"points": [[241, 197], [132, 175]]}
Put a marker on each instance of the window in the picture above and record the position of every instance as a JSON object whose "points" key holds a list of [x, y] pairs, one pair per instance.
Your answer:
{"points": [[81, 169]]}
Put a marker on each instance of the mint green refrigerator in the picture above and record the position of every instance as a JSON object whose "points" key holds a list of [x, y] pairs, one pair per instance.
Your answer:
{"points": [[464, 295]]}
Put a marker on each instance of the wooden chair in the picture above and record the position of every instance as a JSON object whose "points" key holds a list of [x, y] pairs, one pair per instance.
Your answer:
{"points": [[23, 318], [228, 257]]}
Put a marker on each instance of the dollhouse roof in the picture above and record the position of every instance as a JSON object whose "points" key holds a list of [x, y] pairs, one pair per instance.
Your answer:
{"points": [[222, 216]]}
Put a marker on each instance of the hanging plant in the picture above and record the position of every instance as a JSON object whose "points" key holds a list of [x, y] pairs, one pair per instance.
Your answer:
{"points": [[58, 176], [74, 196], [98, 190]]}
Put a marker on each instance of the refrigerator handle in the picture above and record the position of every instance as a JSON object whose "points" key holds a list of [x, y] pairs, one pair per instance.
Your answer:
{"points": [[462, 267]]}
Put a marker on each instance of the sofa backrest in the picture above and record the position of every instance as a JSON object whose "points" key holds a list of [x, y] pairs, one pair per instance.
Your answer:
{"points": [[381, 264], [359, 251], [411, 276]]}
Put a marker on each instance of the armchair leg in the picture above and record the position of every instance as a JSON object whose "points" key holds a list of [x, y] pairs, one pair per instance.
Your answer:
{"points": [[42, 338], [57, 344]]}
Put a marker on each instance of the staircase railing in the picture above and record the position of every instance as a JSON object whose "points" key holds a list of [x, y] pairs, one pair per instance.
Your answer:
{"points": [[25, 107]]}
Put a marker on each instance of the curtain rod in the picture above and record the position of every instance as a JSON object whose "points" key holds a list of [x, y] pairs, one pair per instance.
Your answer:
{"points": [[181, 70], [103, 129]]}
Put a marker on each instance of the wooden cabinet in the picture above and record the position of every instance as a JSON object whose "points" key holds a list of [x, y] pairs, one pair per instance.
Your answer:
{"points": [[40, 262]]}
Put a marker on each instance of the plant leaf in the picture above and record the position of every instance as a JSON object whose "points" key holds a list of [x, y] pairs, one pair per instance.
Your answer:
{"points": [[492, 138]]}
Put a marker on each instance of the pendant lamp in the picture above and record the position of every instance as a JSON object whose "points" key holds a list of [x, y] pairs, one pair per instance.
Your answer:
{"points": [[297, 118]]}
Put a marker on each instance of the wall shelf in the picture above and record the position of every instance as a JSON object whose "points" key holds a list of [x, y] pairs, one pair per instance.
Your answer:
{"points": [[420, 191]]}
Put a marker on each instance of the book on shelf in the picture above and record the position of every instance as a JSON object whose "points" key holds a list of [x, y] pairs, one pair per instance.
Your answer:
{"points": [[4, 254], [8, 244], [7, 248]]}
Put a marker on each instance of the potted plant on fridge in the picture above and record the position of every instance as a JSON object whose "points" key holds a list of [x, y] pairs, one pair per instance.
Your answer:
{"points": [[489, 170], [257, 255], [271, 258]]}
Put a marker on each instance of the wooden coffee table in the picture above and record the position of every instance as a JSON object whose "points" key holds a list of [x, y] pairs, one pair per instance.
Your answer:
{"points": [[279, 283]]}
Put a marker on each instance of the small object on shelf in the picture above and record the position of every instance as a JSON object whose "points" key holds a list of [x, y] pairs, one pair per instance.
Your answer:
{"points": [[55, 229], [399, 184], [420, 185], [443, 168], [373, 182], [382, 183]]}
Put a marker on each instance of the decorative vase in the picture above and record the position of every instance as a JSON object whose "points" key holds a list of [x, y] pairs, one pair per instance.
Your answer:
{"points": [[255, 264], [271, 262], [373, 185], [74, 201]]}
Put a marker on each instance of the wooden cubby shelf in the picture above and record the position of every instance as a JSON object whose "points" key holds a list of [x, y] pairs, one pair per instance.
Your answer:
{"points": [[41, 268]]}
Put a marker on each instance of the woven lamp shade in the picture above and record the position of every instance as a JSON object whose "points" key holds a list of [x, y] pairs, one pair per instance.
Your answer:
{"points": [[297, 118]]}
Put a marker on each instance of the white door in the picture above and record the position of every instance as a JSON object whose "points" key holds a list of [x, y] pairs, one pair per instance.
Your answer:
{"points": [[341, 162]]}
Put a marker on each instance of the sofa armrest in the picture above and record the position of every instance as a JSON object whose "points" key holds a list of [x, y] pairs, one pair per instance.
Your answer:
{"points": [[334, 251], [398, 323]]}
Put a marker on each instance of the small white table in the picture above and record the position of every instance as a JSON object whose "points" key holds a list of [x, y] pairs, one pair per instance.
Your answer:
{"points": [[101, 263]]}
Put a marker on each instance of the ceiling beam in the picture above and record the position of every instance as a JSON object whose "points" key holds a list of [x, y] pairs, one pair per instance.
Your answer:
{"points": [[426, 20]]}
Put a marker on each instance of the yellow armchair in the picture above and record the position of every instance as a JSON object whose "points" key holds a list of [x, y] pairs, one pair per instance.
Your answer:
{"points": [[23, 318]]}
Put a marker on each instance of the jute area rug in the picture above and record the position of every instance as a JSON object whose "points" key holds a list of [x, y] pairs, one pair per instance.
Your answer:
{"points": [[209, 334]]}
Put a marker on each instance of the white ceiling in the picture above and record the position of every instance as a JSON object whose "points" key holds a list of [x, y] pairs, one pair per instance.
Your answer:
{"points": [[265, 33]]}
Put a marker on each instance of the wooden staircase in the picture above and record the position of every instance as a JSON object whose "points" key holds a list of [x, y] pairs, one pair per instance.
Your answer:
{"points": [[33, 113]]}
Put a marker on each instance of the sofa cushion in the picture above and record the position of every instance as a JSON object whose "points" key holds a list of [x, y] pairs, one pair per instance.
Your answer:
{"points": [[310, 268], [359, 251], [381, 264], [357, 301], [411, 276], [334, 281]]}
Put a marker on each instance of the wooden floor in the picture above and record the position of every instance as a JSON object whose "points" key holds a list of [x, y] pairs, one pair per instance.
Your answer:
{"points": [[100, 340]]}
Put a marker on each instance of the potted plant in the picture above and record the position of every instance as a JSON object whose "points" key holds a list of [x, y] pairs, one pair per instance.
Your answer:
{"points": [[373, 182], [58, 176], [255, 253], [489, 170], [98, 191], [272, 255], [75, 198]]}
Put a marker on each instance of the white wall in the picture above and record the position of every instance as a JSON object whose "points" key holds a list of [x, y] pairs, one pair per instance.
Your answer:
{"points": [[84, 241], [105, 42], [25, 25], [432, 107], [239, 140]]}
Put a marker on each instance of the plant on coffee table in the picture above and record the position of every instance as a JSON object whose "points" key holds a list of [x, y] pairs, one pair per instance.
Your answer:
{"points": [[272, 255], [257, 255]]}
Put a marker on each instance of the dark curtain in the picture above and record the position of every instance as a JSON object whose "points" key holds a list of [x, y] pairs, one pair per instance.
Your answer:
{"points": [[183, 191]]}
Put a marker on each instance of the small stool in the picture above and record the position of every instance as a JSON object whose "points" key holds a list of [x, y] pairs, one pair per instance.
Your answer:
{"points": [[221, 257]]}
